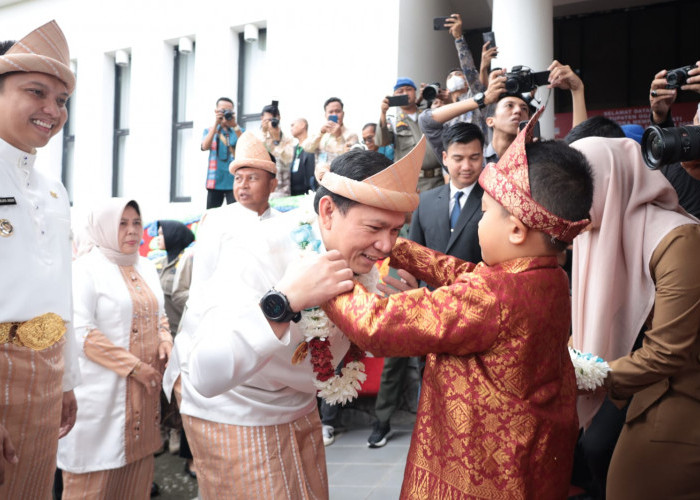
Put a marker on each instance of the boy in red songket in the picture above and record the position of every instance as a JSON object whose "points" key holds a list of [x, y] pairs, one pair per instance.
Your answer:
{"points": [[497, 415]]}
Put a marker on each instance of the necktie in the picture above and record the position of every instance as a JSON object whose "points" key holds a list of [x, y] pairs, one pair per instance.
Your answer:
{"points": [[456, 210]]}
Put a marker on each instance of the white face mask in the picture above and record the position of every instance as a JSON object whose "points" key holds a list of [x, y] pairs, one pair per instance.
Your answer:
{"points": [[455, 83]]}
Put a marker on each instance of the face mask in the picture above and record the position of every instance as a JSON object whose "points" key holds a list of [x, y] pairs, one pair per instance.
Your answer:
{"points": [[455, 83]]}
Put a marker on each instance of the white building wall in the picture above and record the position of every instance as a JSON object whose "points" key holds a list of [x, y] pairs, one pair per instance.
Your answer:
{"points": [[315, 49]]}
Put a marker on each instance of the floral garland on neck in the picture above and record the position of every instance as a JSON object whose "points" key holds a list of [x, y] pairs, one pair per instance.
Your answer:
{"points": [[318, 330]]}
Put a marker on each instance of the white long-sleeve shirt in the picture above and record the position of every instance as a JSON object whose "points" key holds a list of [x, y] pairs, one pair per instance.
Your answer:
{"points": [[36, 254], [238, 372]]}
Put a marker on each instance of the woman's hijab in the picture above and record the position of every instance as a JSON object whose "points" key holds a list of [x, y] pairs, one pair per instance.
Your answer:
{"points": [[613, 293], [103, 229], [176, 237]]}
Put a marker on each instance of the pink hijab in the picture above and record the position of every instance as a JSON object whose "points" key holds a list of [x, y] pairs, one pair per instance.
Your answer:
{"points": [[612, 290], [103, 230]]}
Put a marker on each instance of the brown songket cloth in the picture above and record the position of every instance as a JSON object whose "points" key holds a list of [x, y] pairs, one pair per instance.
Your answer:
{"points": [[394, 188], [508, 182]]}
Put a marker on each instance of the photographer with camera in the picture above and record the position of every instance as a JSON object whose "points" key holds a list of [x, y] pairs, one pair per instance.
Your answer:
{"points": [[684, 177], [280, 146], [220, 141], [330, 141], [404, 133]]}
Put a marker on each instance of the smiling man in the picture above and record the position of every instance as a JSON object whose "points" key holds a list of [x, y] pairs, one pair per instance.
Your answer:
{"points": [[250, 414], [39, 359]]}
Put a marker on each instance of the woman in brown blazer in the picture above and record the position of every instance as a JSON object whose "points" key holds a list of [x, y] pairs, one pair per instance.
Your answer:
{"points": [[639, 265]]}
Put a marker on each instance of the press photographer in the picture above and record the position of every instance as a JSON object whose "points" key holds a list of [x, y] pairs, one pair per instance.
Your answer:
{"points": [[220, 141], [683, 172]]}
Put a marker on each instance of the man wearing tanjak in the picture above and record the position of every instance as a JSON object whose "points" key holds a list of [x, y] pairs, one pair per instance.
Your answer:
{"points": [[262, 350], [38, 355]]}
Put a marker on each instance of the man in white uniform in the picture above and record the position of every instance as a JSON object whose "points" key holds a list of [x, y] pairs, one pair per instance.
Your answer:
{"points": [[38, 367], [249, 413]]}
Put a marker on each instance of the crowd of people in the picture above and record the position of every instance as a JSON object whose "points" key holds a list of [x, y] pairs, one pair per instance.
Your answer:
{"points": [[243, 343]]}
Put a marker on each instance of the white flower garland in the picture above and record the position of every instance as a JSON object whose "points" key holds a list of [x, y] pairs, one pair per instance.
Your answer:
{"points": [[590, 369], [314, 324]]}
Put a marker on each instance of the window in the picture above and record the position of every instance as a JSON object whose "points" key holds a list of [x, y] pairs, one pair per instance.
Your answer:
{"points": [[122, 83], [68, 157], [251, 69], [182, 139]]}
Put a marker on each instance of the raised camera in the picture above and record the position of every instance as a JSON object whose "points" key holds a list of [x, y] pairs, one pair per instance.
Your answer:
{"points": [[430, 92], [521, 79], [228, 115], [677, 77], [663, 146], [274, 122]]}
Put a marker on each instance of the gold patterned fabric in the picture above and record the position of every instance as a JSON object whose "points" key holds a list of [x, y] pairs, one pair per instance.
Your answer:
{"points": [[497, 414], [38, 333]]}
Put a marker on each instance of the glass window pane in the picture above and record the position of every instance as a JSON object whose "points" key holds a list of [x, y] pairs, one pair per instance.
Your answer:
{"points": [[255, 70], [122, 143], [124, 79], [185, 145], [185, 85]]}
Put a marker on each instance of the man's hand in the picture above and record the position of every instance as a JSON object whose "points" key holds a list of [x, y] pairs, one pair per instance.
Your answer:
{"points": [[497, 86], [69, 409], [392, 285], [693, 82], [487, 54], [149, 377], [7, 452], [563, 77], [661, 98], [314, 279], [454, 22]]}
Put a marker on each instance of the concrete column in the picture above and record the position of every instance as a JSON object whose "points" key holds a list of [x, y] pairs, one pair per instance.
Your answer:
{"points": [[524, 35]]}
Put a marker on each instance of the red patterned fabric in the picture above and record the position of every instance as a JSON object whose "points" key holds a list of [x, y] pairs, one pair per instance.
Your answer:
{"points": [[508, 182], [497, 415]]}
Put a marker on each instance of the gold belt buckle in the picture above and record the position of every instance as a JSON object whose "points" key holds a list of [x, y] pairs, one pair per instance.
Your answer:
{"points": [[36, 334]]}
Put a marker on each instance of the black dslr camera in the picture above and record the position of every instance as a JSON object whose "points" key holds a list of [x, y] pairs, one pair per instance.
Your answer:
{"points": [[663, 146], [430, 92], [521, 79], [677, 77], [228, 114]]}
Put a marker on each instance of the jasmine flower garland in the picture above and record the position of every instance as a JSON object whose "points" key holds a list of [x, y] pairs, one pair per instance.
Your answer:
{"points": [[318, 330], [590, 369]]}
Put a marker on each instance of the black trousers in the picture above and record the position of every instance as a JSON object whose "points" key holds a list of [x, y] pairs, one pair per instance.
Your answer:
{"points": [[215, 197]]}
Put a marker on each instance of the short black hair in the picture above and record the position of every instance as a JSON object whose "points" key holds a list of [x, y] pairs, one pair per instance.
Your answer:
{"points": [[491, 109], [333, 99], [373, 125], [272, 109], [595, 126], [5, 46], [356, 164], [463, 133], [224, 99], [561, 181]]}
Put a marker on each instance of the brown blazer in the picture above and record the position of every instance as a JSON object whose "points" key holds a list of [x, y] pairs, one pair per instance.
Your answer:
{"points": [[667, 366]]}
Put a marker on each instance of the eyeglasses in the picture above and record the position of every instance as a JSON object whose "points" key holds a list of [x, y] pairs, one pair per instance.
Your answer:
{"points": [[368, 140]]}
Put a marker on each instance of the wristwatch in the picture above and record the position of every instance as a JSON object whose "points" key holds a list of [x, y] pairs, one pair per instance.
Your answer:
{"points": [[479, 99], [275, 306]]}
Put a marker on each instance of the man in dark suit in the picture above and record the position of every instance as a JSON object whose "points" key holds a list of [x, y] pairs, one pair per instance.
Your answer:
{"points": [[303, 163], [435, 223], [447, 220]]}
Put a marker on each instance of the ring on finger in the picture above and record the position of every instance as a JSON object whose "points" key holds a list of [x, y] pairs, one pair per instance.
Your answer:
{"points": [[153, 383], [653, 93]]}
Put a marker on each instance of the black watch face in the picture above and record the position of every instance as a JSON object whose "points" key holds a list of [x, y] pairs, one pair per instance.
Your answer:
{"points": [[273, 306]]}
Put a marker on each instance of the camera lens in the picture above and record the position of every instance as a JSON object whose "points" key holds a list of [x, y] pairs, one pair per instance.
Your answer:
{"points": [[512, 85], [663, 146], [430, 92]]}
